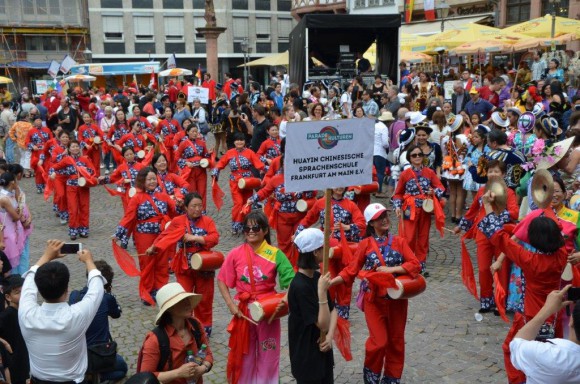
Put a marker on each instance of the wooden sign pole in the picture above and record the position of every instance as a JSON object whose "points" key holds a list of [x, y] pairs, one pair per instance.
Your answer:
{"points": [[327, 229]]}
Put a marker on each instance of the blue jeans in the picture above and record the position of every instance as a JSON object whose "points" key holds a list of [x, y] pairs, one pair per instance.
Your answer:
{"points": [[109, 161], [119, 370], [380, 164], [9, 150]]}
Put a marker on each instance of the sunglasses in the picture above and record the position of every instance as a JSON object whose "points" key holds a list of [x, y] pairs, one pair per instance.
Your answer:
{"points": [[253, 228], [415, 155]]}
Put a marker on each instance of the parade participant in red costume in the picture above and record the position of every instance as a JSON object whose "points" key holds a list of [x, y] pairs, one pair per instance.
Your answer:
{"points": [[270, 148], [285, 216], [486, 252], [252, 269], [188, 156], [180, 137], [137, 139], [118, 130], [52, 103], [78, 197], [166, 131], [192, 232], [363, 199], [143, 122], [169, 182], [240, 160], [35, 140], [382, 253], [124, 176], [59, 199], [416, 185], [145, 218], [87, 133], [346, 218], [51, 146], [542, 268]]}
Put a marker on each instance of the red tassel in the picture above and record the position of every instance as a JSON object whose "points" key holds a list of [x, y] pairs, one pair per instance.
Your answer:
{"points": [[439, 215], [500, 296], [467, 274], [114, 192], [346, 253], [217, 195], [125, 261], [42, 173], [342, 338]]}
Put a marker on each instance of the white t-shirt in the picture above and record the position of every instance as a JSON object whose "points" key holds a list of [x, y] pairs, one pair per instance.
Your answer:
{"points": [[556, 361], [381, 139], [346, 108], [437, 135]]}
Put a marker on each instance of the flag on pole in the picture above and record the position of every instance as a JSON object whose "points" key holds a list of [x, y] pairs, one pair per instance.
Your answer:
{"points": [[429, 6], [409, 10], [53, 68], [135, 84], [198, 73], [67, 64], [171, 62], [152, 84]]}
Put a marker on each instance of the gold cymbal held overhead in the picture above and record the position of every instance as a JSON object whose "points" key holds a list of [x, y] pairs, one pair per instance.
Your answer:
{"points": [[498, 187], [542, 188]]}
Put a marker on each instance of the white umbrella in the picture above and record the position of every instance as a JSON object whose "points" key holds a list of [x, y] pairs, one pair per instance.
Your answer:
{"points": [[79, 78], [175, 72]]}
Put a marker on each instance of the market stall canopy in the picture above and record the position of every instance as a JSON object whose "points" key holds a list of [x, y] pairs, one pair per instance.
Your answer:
{"points": [[105, 69], [5, 80], [542, 27], [432, 27], [175, 72], [79, 78], [278, 59], [538, 42], [409, 57]]}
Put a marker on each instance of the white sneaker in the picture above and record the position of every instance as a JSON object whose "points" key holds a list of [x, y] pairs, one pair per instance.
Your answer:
{"points": [[102, 165], [63, 222], [106, 172]]}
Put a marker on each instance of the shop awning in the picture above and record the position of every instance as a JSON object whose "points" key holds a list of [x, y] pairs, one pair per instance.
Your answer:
{"points": [[28, 64], [432, 27]]}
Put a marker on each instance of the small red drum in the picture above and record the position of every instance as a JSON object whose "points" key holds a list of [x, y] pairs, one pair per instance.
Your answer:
{"points": [[264, 308], [336, 252], [81, 181], [141, 154], [249, 183], [367, 188], [206, 260], [407, 287], [304, 205], [204, 163], [132, 191], [97, 140]]}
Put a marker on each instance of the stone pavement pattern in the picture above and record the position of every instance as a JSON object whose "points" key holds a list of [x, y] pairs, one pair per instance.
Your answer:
{"points": [[444, 343]]}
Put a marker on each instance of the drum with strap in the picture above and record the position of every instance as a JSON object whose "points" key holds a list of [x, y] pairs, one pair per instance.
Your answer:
{"points": [[132, 191], [204, 163], [206, 260], [141, 154], [264, 308], [249, 183], [97, 140], [304, 205], [407, 287], [81, 181], [428, 205]]}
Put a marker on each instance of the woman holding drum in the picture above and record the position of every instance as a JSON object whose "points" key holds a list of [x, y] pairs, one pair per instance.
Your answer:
{"points": [[118, 130], [379, 255], [241, 160], [193, 159], [58, 152], [169, 182], [124, 176], [252, 269], [91, 137], [137, 139], [419, 193], [147, 215], [195, 235], [270, 148], [166, 131]]}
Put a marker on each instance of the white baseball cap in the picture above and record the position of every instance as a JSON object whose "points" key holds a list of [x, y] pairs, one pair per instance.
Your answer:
{"points": [[373, 211], [309, 240]]}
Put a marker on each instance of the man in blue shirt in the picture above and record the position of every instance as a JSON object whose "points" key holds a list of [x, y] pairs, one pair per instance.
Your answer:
{"points": [[477, 105], [277, 96]]}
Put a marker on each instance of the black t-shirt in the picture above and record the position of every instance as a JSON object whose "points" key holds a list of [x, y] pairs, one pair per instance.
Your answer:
{"points": [[259, 135], [306, 360], [10, 331], [72, 115]]}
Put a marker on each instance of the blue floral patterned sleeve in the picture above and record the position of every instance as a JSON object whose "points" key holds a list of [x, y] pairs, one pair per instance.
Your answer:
{"points": [[465, 224], [493, 223], [122, 234]]}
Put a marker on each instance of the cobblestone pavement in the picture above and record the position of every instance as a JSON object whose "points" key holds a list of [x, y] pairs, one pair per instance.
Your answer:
{"points": [[444, 342]]}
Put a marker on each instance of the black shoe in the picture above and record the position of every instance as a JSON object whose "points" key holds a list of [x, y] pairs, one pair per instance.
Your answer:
{"points": [[84, 236], [73, 237], [145, 303], [425, 274], [496, 312], [484, 310]]}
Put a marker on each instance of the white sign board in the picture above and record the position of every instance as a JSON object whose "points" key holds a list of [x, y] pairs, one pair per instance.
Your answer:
{"points": [[43, 85], [198, 93], [328, 154], [448, 89]]}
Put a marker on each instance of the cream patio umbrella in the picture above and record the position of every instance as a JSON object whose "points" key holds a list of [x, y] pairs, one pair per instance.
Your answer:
{"points": [[275, 60]]}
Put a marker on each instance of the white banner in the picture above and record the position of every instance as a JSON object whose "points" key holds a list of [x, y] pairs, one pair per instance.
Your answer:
{"points": [[171, 63], [328, 154], [198, 93], [53, 68], [67, 64]]}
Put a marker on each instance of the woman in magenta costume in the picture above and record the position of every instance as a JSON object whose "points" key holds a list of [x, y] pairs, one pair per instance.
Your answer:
{"points": [[192, 232], [11, 220], [146, 216], [251, 269]]}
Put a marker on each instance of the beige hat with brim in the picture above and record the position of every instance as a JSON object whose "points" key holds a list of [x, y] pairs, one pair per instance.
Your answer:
{"points": [[555, 153], [171, 294]]}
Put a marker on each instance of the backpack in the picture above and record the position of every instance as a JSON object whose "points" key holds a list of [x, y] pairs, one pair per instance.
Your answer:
{"points": [[164, 350]]}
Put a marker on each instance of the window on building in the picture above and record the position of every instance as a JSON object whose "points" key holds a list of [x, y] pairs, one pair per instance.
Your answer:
{"points": [[199, 47], [141, 48], [199, 22], [144, 28], [284, 28], [284, 5], [174, 47], [2, 6], [262, 28], [374, 3], [111, 3], [28, 7], [142, 3], [198, 4], [283, 46], [239, 4], [114, 48], [45, 43], [113, 28], [54, 7], [262, 5], [240, 27], [518, 11], [173, 4], [360, 3], [263, 47], [174, 29], [561, 8]]}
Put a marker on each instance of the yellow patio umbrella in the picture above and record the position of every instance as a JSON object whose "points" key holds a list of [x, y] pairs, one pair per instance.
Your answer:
{"points": [[496, 44], [5, 80], [537, 42], [416, 57], [542, 27], [408, 42], [455, 37], [278, 59]]}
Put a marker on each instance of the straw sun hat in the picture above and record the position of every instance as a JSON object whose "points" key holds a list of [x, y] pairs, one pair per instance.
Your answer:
{"points": [[171, 294]]}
